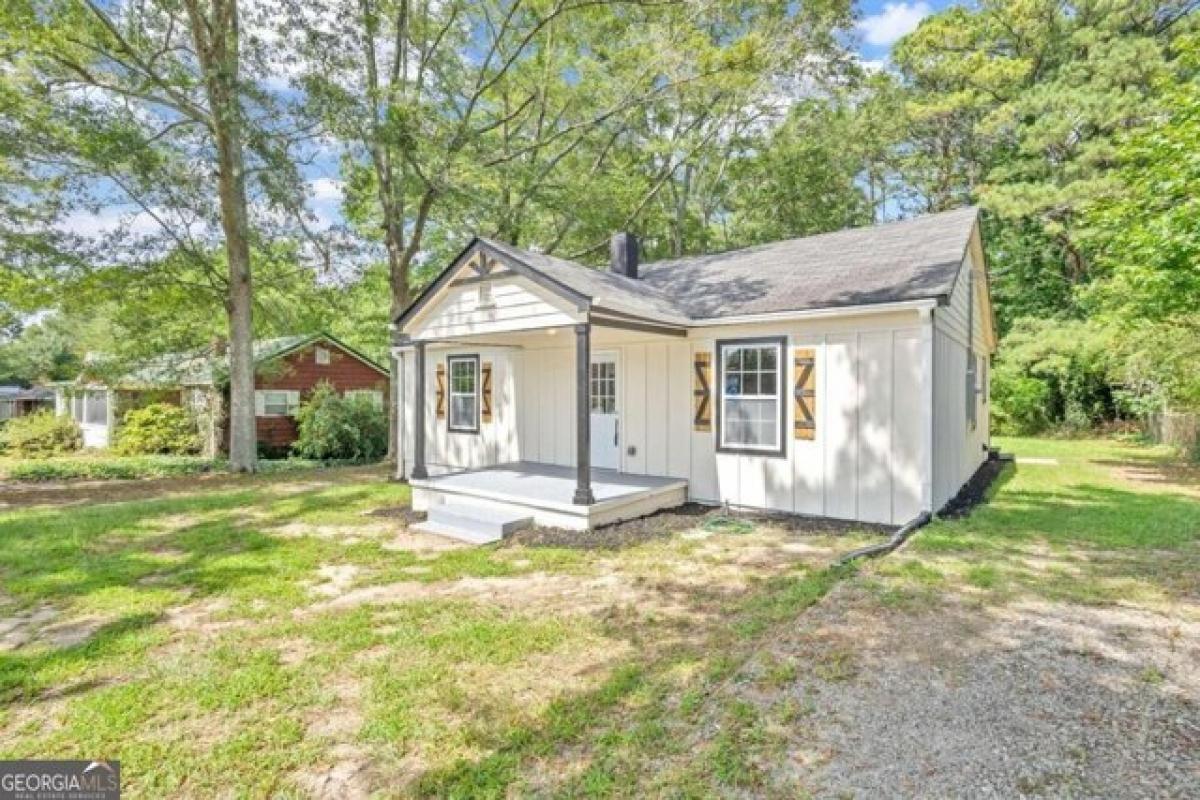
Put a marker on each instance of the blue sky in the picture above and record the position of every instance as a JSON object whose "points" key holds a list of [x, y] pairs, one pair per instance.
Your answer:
{"points": [[883, 22]]}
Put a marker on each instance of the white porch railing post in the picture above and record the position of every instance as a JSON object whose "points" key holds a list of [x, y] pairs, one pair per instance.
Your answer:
{"points": [[418, 470], [583, 417]]}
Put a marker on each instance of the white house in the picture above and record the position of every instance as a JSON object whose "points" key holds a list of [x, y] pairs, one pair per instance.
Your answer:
{"points": [[840, 375]]}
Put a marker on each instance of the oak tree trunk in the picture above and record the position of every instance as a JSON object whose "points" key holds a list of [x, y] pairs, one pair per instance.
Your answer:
{"points": [[214, 31]]}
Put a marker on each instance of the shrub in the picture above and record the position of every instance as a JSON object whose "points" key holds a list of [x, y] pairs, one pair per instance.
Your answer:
{"points": [[40, 434], [336, 427], [122, 468], [1053, 373], [159, 428]]}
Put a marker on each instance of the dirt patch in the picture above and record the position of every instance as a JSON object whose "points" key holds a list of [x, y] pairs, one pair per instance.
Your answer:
{"points": [[345, 774], [17, 630], [417, 542], [402, 514], [201, 617], [336, 579]]}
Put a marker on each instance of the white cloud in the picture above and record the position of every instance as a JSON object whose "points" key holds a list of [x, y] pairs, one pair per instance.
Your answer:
{"points": [[326, 188], [109, 220], [895, 21]]}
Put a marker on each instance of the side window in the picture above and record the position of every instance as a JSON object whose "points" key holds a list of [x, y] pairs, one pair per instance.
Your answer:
{"points": [[276, 403], [322, 356]]}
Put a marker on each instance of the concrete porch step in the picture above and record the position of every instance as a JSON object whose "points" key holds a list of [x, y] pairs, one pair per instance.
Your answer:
{"points": [[474, 524]]}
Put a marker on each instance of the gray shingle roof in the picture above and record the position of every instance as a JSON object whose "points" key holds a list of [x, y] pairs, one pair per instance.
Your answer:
{"points": [[605, 289], [890, 262]]}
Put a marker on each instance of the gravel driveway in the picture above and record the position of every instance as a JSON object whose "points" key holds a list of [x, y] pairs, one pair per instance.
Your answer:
{"points": [[1036, 699]]}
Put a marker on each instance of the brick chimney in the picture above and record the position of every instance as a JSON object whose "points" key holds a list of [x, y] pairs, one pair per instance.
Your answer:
{"points": [[623, 254]]}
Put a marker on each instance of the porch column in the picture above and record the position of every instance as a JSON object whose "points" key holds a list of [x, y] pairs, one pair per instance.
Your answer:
{"points": [[583, 417], [418, 469]]}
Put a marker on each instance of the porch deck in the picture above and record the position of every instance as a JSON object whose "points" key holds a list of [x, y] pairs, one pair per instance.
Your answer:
{"points": [[545, 491]]}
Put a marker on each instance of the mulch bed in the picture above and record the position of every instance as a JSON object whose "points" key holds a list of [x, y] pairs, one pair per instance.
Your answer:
{"points": [[668, 522], [975, 491]]}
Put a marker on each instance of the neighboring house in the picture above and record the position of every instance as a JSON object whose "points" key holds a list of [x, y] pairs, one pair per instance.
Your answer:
{"points": [[286, 371], [17, 401], [841, 375]]}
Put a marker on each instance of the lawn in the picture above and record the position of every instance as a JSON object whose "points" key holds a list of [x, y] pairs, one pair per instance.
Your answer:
{"points": [[285, 635]]}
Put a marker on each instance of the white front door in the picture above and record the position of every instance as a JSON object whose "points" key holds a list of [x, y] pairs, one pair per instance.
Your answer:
{"points": [[606, 423]]}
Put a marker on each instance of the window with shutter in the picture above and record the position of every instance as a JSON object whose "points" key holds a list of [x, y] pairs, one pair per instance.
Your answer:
{"points": [[464, 393], [750, 404]]}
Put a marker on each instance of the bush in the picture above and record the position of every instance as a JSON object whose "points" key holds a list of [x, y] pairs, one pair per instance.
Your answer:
{"points": [[157, 429], [1054, 374], [336, 427], [125, 468], [40, 434]]}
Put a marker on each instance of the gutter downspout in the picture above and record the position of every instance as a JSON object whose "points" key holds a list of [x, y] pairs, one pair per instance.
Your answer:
{"points": [[883, 548]]}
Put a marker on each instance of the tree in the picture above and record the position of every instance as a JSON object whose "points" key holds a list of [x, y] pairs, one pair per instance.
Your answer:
{"points": [[1017, 105], [803, 178], [146, 109], [508, 116], [1146, 237]]}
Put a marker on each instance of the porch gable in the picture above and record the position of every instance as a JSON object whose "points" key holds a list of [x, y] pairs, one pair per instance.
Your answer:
{"points": [[483, 292]]}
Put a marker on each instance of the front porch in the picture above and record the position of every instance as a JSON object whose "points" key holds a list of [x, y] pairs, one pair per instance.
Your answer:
{"points": [[546, 493]]}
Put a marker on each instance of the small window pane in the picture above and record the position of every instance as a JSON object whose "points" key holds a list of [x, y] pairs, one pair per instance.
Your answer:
{"points": [[750, 384], [766, 383], [750, 358], [767, 358], [733, 359]]}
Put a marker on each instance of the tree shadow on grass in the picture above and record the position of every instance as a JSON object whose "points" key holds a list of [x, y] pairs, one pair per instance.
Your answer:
{"points": [[122, 566]]}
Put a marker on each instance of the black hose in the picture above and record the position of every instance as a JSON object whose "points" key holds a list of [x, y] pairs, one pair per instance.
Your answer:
{"points": [[883, 548]]}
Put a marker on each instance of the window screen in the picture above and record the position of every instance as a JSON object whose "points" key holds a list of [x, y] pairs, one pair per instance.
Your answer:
{"points": [[277, 402], [751, 395]]}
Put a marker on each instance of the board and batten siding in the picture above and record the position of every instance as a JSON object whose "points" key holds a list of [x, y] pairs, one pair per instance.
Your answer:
{"points": [[869, 456], [958, 449], [516, 304], [869, 460], [494, 443]]}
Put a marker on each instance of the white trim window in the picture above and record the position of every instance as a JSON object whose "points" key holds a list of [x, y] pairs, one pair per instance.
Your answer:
{"points": [[276, 402], [321, 355], [751, 411], [463, 372], [373, 396]]}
